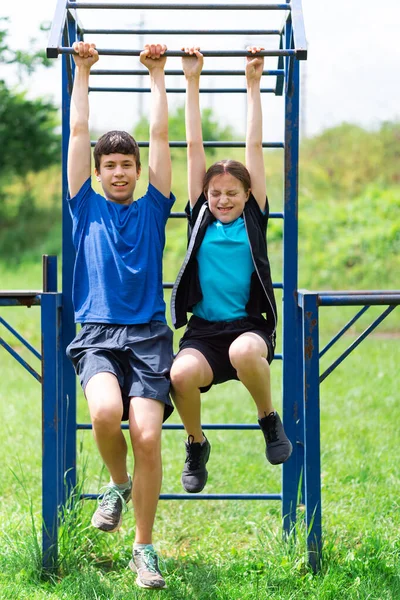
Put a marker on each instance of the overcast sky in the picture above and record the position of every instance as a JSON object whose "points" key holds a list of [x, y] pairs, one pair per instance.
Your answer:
{"points": [[352, 73]]}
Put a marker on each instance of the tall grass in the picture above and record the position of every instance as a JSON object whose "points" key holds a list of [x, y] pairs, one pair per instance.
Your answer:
{"points": [[220, 549]]}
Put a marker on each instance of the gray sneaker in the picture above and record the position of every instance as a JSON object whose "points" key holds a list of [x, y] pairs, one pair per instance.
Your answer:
{"points": [[108, 516], [145, 563], [195, 474], [278, 447]]}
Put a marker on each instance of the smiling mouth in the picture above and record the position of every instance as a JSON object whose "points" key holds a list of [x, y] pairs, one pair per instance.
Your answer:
{"points": [[119, 184], [224, 208]]}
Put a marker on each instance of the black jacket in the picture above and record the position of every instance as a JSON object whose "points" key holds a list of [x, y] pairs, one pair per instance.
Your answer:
{"points": [[187, 291]]}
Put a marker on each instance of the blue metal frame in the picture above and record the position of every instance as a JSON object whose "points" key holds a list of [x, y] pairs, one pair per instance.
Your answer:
{"points": [[309, 303], [58, 328]]}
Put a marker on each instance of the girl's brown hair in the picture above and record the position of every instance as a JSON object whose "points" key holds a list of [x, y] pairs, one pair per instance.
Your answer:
{"points": [[233, 167]]}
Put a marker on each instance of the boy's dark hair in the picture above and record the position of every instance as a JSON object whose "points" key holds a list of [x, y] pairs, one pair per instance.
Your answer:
{"points": [[233, 167], [116, 142]]}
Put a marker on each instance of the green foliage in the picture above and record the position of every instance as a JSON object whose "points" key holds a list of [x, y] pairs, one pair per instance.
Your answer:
{"points": [[212, 131], [27, 137]]}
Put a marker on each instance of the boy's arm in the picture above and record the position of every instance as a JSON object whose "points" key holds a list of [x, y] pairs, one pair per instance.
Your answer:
{"points": [[192, 66], [79, 153], [254, 151], [159, 153]]}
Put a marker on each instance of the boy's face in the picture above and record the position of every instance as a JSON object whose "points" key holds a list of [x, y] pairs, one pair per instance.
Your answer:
{"points": [[118, 176], [226, 197]]}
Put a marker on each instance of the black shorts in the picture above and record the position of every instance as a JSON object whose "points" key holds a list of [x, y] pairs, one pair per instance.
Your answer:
{"points": [[213, 340], [140, 356]]}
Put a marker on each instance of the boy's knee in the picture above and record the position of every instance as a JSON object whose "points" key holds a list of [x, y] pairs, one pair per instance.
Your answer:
{"points": [[105, 416], [147, 445]]}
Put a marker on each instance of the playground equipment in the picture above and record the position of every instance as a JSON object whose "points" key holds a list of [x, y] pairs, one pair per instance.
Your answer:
{"points": [[300, 353]]}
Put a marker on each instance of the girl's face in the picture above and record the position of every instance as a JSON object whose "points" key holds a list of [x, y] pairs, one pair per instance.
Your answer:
{"points": [[226, 197]]}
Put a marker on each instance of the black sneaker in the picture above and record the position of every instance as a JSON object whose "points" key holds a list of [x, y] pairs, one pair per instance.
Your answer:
{"points": [[195, 474], [145, 563], [278, 447], [108, 516]]}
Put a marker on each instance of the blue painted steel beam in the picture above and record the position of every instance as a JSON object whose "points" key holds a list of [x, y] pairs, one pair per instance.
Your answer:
{"points": [[291, 381], [19, 298], [50, 428], [299, 34], [359, 299], [205, 496], [56, 30], [19, 359], [177, 72], [312, 446], [343, 330], [358, 341], [138, 90], [20, 338], [180, 53], [168, 286], [173, 6], [210, 144], [182, 215], [175, 426], [246, 32]]}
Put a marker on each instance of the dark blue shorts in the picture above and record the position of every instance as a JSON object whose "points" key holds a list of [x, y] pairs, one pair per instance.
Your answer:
{"points": [[140, 356], [213, 340]]}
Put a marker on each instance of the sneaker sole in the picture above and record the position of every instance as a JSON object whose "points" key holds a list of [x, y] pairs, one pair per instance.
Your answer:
{"points": [[195, 491], [284, 459], [140, 583], [99, 527]]}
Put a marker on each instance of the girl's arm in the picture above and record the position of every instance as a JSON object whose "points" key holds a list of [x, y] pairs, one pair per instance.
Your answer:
{"points": [[192, 66], [254, 151]]}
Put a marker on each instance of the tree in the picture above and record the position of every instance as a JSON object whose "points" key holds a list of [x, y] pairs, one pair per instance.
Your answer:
{"points": [[28, 140], [176, 124]]}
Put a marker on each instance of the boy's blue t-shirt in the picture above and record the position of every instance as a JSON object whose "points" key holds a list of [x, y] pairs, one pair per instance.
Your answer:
{"points": [[118, 266], [225, 269]]}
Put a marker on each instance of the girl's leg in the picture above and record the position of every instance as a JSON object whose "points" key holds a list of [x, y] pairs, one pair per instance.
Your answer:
{"points": [[190, 371], [248, 355]]}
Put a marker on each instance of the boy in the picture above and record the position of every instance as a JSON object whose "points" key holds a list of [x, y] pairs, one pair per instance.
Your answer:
{"points": [[123, 352]]}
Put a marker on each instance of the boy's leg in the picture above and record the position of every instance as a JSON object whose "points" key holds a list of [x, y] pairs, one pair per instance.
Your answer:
{"points": [[105, 405], [190, 372], [145, 423], [248, 355]]}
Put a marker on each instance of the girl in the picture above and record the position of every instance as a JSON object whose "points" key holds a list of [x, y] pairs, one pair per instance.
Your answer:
{"points": [[225, 280]]}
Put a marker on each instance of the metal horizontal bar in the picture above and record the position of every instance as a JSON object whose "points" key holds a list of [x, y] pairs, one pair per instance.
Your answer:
{"points": [[359, 299], [154, 6], [169, 285], [183, 215], [358, 341], [19, 298], [220, 496], [174, 426], [140, 72], [210, 144], [299, 34], [19, 359], [20, 338], [203, 496], [180, 53], [182, 31], [355, 292], [139, 90], [343, 330]]}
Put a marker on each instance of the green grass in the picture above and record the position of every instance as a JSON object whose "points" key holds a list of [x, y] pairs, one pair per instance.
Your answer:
{"points": [[222, 550]]}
